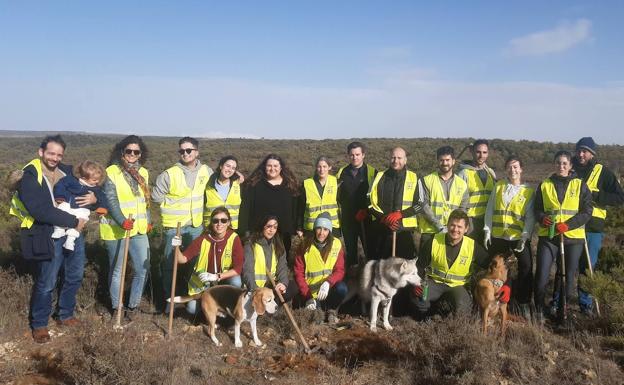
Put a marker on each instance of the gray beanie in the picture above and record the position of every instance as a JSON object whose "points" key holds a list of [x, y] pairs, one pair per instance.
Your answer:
{"points": [[586, 143], [323, 220]]}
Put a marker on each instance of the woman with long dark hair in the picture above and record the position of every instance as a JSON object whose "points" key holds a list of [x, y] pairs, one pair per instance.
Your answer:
{"points": [[271, 189], [127, 193], [223, 189]]}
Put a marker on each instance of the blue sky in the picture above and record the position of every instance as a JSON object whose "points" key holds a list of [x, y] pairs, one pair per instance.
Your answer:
{"points": [[526, 70]]}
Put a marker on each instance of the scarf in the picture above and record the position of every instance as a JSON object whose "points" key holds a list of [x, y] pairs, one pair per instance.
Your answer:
{"points": [[135, 180]]}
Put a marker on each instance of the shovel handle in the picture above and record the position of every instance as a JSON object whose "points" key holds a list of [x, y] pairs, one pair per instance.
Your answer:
{"points": [[123, 278], [289, 313], [173, 282]]}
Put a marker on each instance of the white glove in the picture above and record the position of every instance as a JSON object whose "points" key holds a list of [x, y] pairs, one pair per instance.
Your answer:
{"points": [[487, 240], [520, 246], [176, 241], [206, 277], [323, 291], [443, 230], [310, 304]]}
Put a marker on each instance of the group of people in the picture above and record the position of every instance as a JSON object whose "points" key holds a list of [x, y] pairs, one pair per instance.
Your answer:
{"points": [[237, 230]]}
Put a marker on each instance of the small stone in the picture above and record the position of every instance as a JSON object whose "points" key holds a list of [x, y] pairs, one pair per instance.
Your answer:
{"points": [[589, 374], [289, 343], [231, 360]]}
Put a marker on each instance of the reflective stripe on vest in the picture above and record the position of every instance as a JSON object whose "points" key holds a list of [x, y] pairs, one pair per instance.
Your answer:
{"points": [[17, 208], [260, 275], [370, 173], [508, 222], [479, 194], [183, 204], [232, 203], [317, 270], [459, 272], [592, 184], [409, 187], [195, 285], [316, 204], [562, 211], [128, 203], [440, 206]]}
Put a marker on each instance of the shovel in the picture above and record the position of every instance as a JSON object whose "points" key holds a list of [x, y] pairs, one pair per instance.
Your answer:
{"points": [[591, 274], [564, 311], [123, 278], [173, 284]]}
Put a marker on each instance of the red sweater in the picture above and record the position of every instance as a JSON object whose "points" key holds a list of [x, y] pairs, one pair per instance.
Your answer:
{"points": [[336, 276], [238, 253]]}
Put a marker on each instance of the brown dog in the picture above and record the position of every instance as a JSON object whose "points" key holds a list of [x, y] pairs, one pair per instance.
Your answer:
{"points": [[486, 293], [236, 302]]}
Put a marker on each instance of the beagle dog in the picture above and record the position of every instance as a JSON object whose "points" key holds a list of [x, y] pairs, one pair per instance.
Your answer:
{"points": [[486, 293], [236, 302]]}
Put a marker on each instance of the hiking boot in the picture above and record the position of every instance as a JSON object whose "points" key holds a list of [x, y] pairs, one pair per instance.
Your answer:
{"points": [[41, 335], [524, 310], [71, 322], [540, 321], [131, 313], [332, 317], [587, 312]]}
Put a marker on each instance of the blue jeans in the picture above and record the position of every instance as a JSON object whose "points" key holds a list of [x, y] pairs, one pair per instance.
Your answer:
{"points": [[191, 307], [594, 244], [139, 257], [166, 266], [69, 267]]}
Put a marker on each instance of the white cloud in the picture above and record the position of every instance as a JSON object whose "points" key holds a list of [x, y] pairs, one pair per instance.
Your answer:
{"points": [[238, 108], [561, 38]]}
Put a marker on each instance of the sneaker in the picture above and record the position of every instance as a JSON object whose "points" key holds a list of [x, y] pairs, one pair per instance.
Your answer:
{"points": [[71, 322], [41, 335]]}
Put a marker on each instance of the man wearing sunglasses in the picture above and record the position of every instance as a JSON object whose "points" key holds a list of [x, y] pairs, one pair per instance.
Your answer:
{"points": [[180, 192]]}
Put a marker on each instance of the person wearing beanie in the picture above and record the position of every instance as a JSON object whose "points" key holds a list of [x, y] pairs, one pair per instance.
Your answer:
{"points": [[319, 269], [605, 191]]}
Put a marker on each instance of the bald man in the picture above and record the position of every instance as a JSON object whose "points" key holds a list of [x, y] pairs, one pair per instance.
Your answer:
{"points": [[394, 202]]}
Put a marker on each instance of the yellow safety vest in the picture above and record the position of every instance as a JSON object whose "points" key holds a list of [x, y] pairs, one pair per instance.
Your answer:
{"points": [[440, 206], [195, 285], [128, 203], [260, 273], [479, 194], [17, 208], [232, 203], [592, 183], [562, 211], [508, 221], [317, 270], [410, 186], [183, 204], [316, 204], [459, 272], [370, 173]]}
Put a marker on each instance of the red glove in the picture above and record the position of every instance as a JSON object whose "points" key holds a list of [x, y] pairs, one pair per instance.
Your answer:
{"points": [[127, 224], [150, 227], [361, 215], [392, 220], [101, 211], [504, 293], [562, 227], [546, 221], [418, 291]]}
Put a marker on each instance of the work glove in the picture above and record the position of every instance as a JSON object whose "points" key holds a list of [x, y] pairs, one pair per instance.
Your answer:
{"points": [[176, 241], [361, 215], [487, 240], [504, 294], [418, 291], [127, 224], [323, 291], [546, 221], [442, 229], [150, 227], [562, 227], [394, 217], [310, 304], [101, 211], [206, 277]]}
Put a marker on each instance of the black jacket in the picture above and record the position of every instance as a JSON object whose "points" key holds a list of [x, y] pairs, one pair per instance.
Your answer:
{"points": [[36, 242], [265, 199], [390, 194], [610, 192]]}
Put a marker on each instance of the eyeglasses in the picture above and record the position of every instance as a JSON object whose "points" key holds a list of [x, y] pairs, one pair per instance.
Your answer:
{"points": [[187, 150], [270, 227], [128, 151], [214, 221]]}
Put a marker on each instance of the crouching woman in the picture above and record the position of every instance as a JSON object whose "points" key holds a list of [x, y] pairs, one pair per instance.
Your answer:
{"points": [[220, 254], [319, 269]]}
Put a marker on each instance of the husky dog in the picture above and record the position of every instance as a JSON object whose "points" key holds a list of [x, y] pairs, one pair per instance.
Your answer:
{"points": [[379, 282]]}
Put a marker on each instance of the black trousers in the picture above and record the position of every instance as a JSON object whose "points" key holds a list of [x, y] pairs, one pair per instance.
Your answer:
{"points": [[351, 232], [522, 285], [547, 254], [443, 300], [405, 246], [476, 229]]}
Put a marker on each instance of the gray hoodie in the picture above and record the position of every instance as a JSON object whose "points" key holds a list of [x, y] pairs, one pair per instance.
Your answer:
{"points": [[161, 188]]}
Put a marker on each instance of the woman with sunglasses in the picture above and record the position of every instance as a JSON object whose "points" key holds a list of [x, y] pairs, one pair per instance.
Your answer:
{"points": [[220, 253], [223, 189], [319, 195], [271, 189], [265, 251], [127, 193]]}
